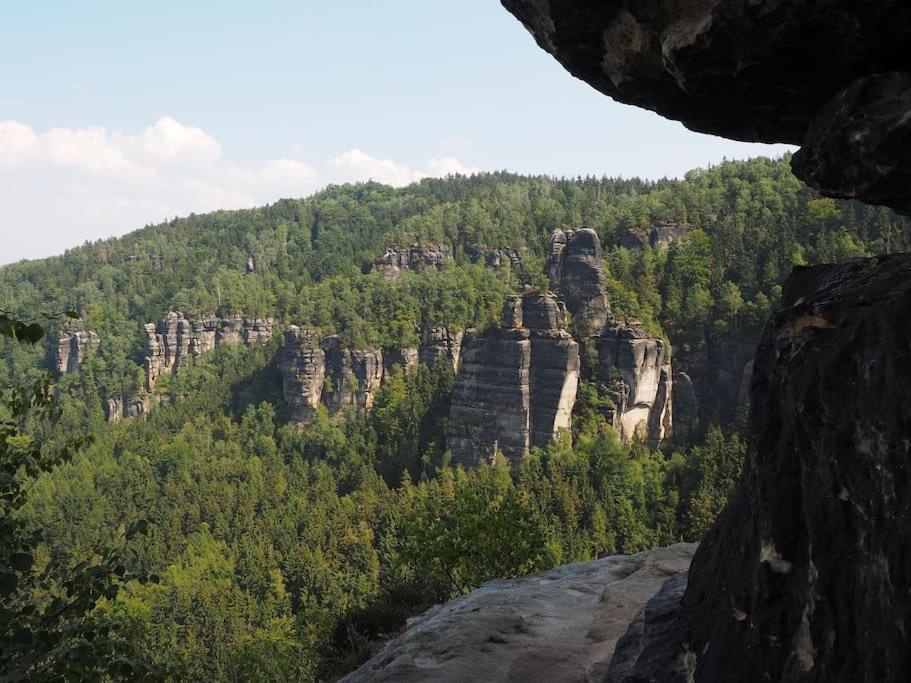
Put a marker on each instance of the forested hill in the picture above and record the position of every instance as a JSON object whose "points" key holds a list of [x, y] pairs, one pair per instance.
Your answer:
{"points": [[749, 223], [285, 551]]}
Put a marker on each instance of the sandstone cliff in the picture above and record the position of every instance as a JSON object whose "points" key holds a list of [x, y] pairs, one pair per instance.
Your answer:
{"points": [[516, 386], [72, 350], [575, 268], [415, 257], [642, 372], [561, 625], [319, 370], [177, 338], [804, 575]]}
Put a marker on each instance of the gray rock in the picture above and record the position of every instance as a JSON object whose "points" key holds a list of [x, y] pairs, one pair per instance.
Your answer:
{"points": [[72, 350], [441, 342], [575, 268], [416, 257], [859, 145], [628, 353], [302, 366], [561, 625], [516, 387], [756, 70]]}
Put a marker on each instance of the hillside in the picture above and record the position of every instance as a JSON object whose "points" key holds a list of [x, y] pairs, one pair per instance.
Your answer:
{"points": [[296, 391]]}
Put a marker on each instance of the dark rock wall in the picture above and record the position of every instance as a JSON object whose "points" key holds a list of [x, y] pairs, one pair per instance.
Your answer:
{"points": [[805, 575]]}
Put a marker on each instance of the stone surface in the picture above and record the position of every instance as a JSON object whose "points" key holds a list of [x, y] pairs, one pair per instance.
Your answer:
{"points": [[575, 268], [72, 350], [662, 234], [516, 386], [416, 257], [859, 144], [125, 405], [686, 408], [494, 257], [804, 577], [755, 70], [177, 338], [638, 362], [302, 365], [561, 625], [441, 342], [406, 358], [352, 375]]}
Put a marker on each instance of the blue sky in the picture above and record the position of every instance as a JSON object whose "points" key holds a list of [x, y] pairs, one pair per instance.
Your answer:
{"points": [[115, 115]]}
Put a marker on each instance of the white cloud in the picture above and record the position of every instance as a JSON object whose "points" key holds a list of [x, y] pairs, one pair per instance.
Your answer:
{"points": [[355, 165], [63, 186]]}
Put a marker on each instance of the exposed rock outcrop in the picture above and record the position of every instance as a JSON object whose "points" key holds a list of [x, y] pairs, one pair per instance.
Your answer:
{"points": [[639, 364], [126, 405], [661, 234], [441, 342], [352, 375], [754, 70], [858, 144], [72, 350], [417, 257], [406, 358], [575, 268], [516, 386], [494, 257], [803, 575], [302, 365], [687, 425], [562, 625], [176, 339]]}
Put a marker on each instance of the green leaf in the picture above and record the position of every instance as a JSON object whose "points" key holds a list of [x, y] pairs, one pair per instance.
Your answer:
{"points": [[72, 315]]}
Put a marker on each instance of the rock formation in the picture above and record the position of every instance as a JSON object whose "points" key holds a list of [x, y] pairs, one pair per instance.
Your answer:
{"points": [[176, 338], [516, 385], [575, 268], [562, 625], [317, 371], [72, 350], [416, 257], [661, 234], [804, 575], [125, 405], [302, 365], [406, 358], [494, 257], [352, 376], [851, 148], [640, 366], [441, 342], [687, 425]]}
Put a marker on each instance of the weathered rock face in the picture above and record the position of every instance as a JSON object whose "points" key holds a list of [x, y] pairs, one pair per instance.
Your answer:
{"points": [[687, 425], [72, 350], [416, 257], [746, 69], [406, 358], [562, 625], [125, 405], [176, 339], [441, 342], [661, 235], [516, 386], [494, 257], [858, 145], [638, 361], [804, 576], [302, 365], [352, 375], [575, 269]]}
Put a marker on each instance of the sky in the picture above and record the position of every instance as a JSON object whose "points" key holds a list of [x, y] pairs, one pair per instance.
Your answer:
{"points": [[116, 115]]}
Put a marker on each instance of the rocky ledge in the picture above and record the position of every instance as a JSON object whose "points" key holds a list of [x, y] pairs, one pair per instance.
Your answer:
{"points": [[562, 625]]}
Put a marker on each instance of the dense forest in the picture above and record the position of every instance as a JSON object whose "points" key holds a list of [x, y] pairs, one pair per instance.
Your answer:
{"points": [[211, 540]]}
